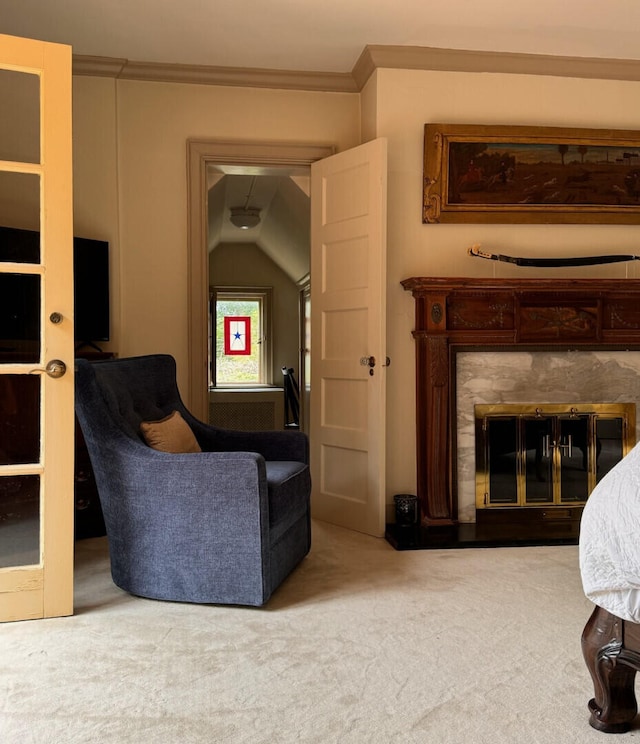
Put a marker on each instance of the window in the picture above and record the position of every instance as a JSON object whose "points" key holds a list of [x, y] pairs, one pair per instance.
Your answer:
{"points": [[240, 336]]}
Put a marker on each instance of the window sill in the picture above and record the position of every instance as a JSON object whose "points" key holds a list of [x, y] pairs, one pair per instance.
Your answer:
{"points": [[247, 389]]}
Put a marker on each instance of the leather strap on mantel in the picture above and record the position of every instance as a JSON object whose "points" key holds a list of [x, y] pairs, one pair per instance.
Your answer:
{"points": [[552, 262]]}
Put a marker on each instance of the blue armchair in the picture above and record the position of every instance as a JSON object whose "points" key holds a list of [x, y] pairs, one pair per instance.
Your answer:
{"points": [[225, 525]]}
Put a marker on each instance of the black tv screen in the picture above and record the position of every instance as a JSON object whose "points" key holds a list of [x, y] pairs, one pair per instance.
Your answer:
{"points": [[20, 294], [91, 289]]}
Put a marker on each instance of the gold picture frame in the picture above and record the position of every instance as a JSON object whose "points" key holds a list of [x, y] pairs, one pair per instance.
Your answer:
{"points": [[520, 174]]}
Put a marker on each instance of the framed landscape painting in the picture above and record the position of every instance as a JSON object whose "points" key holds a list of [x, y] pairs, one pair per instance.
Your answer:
{"points": [[530, 174]]}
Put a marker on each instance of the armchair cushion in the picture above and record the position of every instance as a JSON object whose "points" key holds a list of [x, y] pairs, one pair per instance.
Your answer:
{"points": [[284, 481], [170, 434]]}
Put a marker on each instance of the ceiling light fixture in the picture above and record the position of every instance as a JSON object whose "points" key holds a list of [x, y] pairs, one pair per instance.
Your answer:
{"points": [[246, 217]]}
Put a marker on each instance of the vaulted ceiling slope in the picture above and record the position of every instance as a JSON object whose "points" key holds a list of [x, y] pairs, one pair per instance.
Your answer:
{"points": [[284, 209]]}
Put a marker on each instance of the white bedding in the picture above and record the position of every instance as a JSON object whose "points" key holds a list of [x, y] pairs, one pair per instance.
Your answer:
{"points": [[610, 540]]}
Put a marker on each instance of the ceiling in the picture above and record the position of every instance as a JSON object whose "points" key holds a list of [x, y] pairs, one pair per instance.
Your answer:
{"points": [[304, 36], [282, 197], [328, 36]]}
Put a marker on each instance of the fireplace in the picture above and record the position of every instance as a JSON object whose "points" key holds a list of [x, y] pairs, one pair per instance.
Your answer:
{"points": [[536, 342], [546, 457]]}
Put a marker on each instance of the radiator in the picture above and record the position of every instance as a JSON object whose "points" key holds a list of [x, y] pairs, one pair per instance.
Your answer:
{"points": [[247, 410]]}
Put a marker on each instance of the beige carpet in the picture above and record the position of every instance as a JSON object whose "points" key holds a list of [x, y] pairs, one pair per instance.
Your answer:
{"points": [[361, 644]]}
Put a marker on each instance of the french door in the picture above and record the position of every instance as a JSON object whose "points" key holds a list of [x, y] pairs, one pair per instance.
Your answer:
{"points": [[36, 331]]}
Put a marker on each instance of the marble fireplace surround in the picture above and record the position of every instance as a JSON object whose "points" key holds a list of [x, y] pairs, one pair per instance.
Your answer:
{"points": [[538, 377], [510, 341]]}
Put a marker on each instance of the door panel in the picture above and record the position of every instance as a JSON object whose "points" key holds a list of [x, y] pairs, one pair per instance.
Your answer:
{"points": [[348, 275], [36, 325]]}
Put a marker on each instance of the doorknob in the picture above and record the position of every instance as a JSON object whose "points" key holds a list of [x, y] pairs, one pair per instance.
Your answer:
{"points": [[56, 368], [370, 361], [566, 447]]}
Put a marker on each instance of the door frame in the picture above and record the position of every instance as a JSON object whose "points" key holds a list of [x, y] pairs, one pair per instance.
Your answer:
{"points": [[201, 152]]}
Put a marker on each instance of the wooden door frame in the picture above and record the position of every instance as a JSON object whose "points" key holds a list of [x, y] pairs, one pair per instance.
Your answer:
{"points": [[201, 152]]}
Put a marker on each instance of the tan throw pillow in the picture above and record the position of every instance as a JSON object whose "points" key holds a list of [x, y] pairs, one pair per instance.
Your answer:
{"points": [[170, 434]]}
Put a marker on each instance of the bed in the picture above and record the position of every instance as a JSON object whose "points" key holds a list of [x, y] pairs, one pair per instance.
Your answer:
{"points": [[610, 572]]}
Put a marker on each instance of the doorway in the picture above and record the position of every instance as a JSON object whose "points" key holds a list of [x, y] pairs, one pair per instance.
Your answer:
{"points": [[211, 163], [258, 243], [349, 194]]}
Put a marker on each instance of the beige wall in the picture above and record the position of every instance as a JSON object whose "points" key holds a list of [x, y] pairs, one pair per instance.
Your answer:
{"points": [[95, 179], [130, 185], [404, 102], [130, 142]]}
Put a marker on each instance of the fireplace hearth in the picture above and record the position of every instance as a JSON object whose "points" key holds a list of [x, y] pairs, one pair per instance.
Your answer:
{"points": [[552, 325]]}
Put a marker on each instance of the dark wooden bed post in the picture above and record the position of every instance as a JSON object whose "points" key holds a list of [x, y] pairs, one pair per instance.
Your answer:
{"points": [[611, 650]]}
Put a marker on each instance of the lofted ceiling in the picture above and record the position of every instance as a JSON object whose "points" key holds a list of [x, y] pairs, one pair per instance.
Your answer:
{"points": [[280, 194]]}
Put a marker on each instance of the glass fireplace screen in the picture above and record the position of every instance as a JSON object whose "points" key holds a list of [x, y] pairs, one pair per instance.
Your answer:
{"points": [[547, 455]]}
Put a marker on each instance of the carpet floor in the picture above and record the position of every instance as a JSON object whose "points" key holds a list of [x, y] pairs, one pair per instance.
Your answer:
{"points": [[362, 644]]}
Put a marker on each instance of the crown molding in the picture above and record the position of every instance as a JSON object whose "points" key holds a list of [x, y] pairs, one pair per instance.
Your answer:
{"points": [[160, 72], [97, 66], [373, 57], [459, 60]]}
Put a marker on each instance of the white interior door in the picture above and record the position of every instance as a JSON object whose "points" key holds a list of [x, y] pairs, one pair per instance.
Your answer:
{"points": [[348, 292], [36, 329]]}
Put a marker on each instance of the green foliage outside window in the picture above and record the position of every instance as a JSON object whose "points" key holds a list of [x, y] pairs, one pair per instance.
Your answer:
{"points": [[238, 370]]}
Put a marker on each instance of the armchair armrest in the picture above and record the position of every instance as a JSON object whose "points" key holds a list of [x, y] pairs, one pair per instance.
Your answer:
{"points": [[227, 482], [190, 522], [272, 445]]}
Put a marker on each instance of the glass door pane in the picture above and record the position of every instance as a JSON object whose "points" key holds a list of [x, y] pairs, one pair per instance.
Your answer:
{"points": [[609, 444], [20, 292], [19, 419], [19, 520], [20, 96], [502, 461], [538, 445], [574, 445], [18, 245], [19, 318]]}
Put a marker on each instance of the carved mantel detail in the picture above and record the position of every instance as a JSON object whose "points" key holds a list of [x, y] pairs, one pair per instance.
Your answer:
{"points": [[467, 319], [438, 361], [499, 314]]}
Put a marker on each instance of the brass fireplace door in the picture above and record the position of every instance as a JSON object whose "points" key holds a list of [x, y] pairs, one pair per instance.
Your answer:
{"points": [[549, 454]]}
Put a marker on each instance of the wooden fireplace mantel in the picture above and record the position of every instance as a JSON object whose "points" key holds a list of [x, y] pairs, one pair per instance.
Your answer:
{"points": [[459, 313]]}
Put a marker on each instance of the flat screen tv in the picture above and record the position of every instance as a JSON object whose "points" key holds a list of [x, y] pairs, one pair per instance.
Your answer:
{"points": [[20, 293], [91, 290]]}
